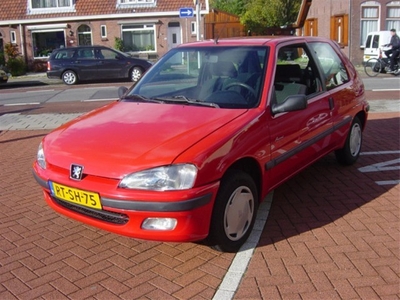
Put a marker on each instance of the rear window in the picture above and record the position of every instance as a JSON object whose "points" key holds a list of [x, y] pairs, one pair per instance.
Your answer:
{"points": [[375, 41], [64, 54]]}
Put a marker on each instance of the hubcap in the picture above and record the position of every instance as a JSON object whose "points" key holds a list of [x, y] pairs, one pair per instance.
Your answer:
{"points": [[136, 73], [239, 213], [69, 78], [355, 139]]}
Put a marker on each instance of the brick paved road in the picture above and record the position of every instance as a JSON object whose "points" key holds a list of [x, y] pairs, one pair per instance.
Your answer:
{"points": [[333, 232]]}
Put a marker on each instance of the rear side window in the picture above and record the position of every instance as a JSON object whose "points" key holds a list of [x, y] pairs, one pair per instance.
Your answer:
{"points": [[65, 54], [375, 41], [334, 71]]}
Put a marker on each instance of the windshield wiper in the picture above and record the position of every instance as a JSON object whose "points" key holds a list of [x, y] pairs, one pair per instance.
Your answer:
{"points": [[184, 99], [142, 98]]}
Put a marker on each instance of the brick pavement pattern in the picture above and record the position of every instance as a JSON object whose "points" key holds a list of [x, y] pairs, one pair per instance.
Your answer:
{"points": [[332, 233], [46, 256]]}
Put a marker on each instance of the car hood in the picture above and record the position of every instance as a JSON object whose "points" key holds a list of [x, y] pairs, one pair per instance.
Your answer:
{"points": [[125, 137]]}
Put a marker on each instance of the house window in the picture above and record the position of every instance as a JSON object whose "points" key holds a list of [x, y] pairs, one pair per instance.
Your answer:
{"points": [[13, 37], [310, 27], [139, 37], [193, 27], [84, 35], [393, 15], [103, 29], [136, 3], [45, 41], [339, 29], [370, 13], [50, 6]]}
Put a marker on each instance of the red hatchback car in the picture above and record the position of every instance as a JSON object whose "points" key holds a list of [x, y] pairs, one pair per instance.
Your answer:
{"points": [[190, 151]]}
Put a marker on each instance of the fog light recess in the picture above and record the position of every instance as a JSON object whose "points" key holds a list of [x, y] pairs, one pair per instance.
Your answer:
{"points": [[159, 224]]}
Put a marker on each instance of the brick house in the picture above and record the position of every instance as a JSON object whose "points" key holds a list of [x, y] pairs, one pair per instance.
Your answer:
{"points": [[349, 21], [147, 28]]}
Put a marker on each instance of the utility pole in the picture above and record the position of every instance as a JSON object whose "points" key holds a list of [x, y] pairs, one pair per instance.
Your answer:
{"points": [[197, 4]]}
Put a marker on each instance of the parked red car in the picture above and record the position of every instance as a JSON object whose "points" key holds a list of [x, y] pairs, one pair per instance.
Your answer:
{"points": [[190, 151]]}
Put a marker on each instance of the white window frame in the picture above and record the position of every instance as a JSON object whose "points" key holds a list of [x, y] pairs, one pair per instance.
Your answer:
{"points": [[103, 31], [373, 21], [13, 37], [393, 21], [45, 31], [135, 3], [143, 28], [55, 9], [84, 33], [193, 27]]}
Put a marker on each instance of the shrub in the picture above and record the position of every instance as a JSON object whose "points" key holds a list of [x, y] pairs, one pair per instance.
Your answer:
{"points": [[119, 44], [16, 66]]}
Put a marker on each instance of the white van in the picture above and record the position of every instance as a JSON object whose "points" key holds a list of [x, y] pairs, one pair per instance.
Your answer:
{"points": [[375, 41]]}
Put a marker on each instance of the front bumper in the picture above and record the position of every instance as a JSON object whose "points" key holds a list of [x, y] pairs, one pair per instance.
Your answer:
{"points": [[126, 216]]}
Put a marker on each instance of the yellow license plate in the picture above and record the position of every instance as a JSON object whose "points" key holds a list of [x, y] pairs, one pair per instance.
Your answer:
{"points": [[76, 196], [367, 57]]}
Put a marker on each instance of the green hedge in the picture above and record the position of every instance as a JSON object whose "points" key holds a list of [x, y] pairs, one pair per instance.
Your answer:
{"points": [[16, 66]]}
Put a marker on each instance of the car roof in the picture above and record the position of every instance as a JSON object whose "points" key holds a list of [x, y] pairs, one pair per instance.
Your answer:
{"points": [[254, 41]]}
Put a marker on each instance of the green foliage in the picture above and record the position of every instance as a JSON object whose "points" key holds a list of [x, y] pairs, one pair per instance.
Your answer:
{"points": [[119, 44], [16, 66], [15, 63], [236, 7], [257, 15]]}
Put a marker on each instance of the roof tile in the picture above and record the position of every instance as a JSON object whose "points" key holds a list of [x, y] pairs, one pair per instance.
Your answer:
{"points": [[15, 10]]}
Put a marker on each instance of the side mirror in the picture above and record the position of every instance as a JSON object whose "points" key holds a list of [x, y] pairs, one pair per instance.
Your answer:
{"points": [[121, 91], [291, 103]]}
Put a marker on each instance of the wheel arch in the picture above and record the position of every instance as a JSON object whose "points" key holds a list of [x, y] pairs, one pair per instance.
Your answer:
{"points": [[250, 166], [362, 116]]}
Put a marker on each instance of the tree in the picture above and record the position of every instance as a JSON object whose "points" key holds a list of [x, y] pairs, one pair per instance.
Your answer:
{"points": [[236, 7], [257, 15]]}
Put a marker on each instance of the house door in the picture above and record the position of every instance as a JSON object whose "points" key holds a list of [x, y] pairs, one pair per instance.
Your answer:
{"points": [[174, 35]]}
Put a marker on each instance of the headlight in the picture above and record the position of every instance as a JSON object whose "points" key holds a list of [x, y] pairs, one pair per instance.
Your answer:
{"points": [[168, 178], [41, 159]]}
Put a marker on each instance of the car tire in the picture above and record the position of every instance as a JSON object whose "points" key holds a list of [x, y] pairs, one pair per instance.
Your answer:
{"points": [[349, 154], [69, 77], [234, 212], [136, 73]]}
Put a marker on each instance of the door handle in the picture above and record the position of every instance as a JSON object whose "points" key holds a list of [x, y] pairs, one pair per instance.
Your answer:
{"points": [[331, 103]]}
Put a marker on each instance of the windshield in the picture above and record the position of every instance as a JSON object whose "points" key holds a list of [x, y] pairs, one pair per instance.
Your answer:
{"points": [[226, 77]]}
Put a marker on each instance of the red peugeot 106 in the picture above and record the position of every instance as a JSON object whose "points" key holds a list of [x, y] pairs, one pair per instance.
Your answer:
{"points": [[190, 151]]}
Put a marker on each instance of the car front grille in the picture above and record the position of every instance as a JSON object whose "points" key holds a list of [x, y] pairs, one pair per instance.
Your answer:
{"points": [[106, 216]]}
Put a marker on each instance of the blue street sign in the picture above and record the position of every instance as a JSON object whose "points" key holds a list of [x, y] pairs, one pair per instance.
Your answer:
{"points": [[186, 12]]}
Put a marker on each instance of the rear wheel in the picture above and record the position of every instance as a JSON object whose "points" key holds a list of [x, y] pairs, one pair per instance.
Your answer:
{"points": [[234, 212], [373, 67], [69, 77], [349, 154], [136, 73]]}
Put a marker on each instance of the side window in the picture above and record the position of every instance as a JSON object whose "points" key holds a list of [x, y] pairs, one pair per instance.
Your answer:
{"points": [[334, 71], [86, 53], [64, 54], [107, 54], [295, 73]]}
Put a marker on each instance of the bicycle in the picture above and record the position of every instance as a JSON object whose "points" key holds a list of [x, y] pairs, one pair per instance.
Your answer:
{"points": [[374, 66]]}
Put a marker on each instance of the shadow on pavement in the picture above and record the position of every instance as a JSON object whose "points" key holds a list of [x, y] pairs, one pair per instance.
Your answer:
{"points": [[22, 83], [327, 191]]}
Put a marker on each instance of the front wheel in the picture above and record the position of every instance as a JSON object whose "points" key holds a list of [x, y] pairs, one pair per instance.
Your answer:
{"points": [[234, 212], [349, 154], [136, 73], [373, 67]]}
